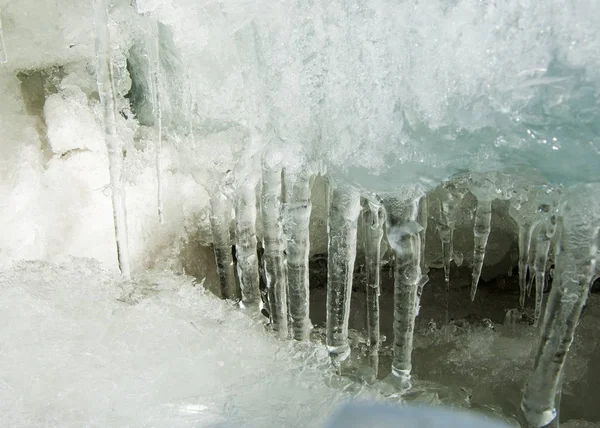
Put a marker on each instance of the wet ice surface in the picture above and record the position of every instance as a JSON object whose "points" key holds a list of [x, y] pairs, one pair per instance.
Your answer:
{"points": [[80, 347]]}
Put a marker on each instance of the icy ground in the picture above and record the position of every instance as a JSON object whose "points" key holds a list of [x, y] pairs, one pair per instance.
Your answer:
{"points": [[80, 347]]}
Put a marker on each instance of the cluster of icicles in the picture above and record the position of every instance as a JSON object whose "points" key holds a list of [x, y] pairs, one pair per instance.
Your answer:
{"points": [[285, 209], [550, 225]]}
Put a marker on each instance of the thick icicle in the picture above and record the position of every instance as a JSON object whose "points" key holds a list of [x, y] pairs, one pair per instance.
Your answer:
{"points": [[3, 56], [274, 244], [403, 236], [220, 223], [246, 251], [481, 231], [297, 218], [575, 265], [107, 92], [342, 223], [373, 218]]}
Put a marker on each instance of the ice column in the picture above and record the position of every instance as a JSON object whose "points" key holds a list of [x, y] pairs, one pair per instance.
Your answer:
{"points": [[575, 265], [297, 218], [373, 219], [106, 90], [342, 223], [246, 251], [403, 236], [3, 56], [220, 223], [273, 243]]}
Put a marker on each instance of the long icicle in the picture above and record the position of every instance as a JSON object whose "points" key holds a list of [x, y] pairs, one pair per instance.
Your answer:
{"points": [[156, 77], [373, 218], [246, 251], [274, 244], [220, 222], [342, 223], [107, 92], [403, 233], [297, 218], [481, 231], [575, 266]]}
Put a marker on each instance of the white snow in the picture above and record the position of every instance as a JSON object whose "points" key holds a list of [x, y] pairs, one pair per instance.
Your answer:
{"points": [[80, 347]]}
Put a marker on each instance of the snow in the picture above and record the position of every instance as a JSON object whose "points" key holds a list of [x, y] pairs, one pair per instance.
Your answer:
{"points": [[81, 347]]}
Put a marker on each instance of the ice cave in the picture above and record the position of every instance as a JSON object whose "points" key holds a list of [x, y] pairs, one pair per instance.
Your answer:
{"points": [[299, 213]]}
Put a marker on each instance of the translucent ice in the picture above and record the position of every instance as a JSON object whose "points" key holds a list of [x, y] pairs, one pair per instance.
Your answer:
{"points": [[297, 217], [575, 266], [373, 220], [403, 234], [106, 89], [342, 223]]}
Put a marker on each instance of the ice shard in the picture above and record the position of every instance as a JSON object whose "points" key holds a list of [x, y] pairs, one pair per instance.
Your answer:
{"points": [[403, 234], [246, 250], [220, 223], [273, 243], [114, 145], [297, 218], [342, 223], [3, 56], [576, 258], [373, 221]]}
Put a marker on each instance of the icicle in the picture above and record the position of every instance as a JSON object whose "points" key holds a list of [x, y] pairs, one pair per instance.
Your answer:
{"points": [[543, 241], [575, 266], [155, 61], [344, 208], [297, 218], [247, 258], [273, 244], [403, 236], [481, 231], [486, 188], [3, 56], [524, 244], [106, 90], [449, 205], [220, 222], [373, 218]]}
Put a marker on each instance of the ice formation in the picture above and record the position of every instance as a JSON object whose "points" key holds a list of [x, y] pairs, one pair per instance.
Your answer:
{"points": [[207, 124]]}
